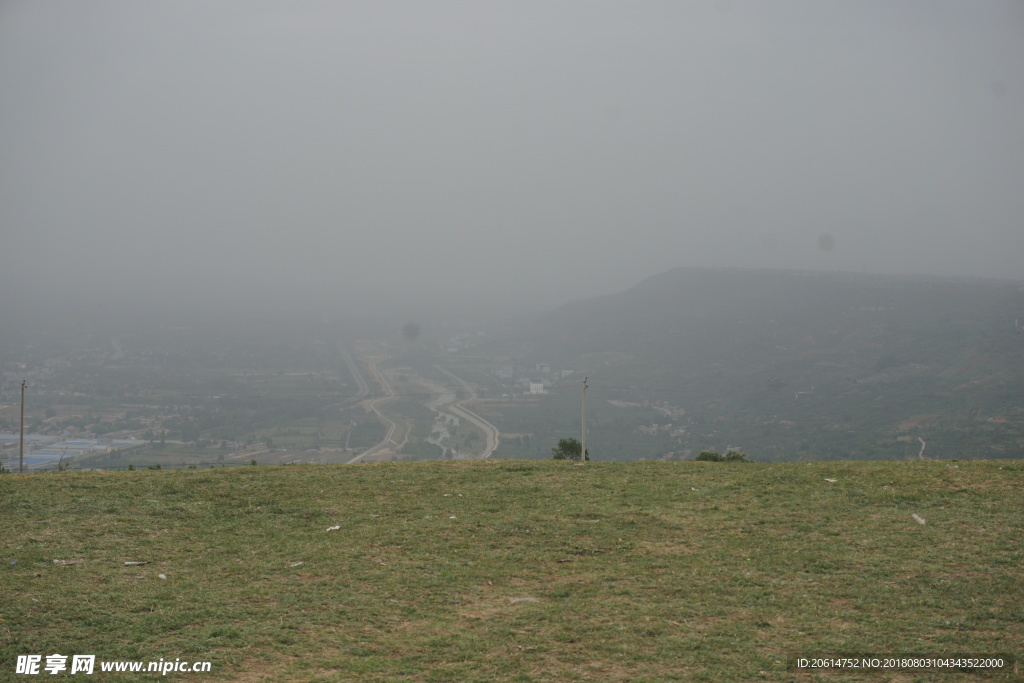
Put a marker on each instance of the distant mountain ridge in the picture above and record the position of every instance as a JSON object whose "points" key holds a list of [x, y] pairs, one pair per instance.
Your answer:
{"points": [[805, 364]]}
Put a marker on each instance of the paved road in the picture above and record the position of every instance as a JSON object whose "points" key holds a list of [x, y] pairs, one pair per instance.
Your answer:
{"points": [[353, 370], [389, 393], [490, 431]]}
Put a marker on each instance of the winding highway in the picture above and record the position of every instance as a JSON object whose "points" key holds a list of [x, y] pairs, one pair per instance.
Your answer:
{"points": [[456, 408], [490, 431], [389, 393], [353, 370]]}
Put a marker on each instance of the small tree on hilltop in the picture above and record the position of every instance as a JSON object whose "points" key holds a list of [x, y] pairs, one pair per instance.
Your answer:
{"points": [[568, 449], [709, 456]]}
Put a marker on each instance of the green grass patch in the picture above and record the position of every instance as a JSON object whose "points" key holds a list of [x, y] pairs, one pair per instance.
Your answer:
{"points": [[516, 570]]}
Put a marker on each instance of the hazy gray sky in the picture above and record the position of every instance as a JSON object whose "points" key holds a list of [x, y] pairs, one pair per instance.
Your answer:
{"points": [[518, 152]]}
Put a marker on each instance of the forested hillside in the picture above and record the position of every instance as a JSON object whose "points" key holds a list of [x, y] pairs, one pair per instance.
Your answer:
{"points": [[791, 365]]}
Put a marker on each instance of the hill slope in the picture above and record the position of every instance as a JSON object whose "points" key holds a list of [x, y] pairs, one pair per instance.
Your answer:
{"points": [[795, 365], [513, 570]]}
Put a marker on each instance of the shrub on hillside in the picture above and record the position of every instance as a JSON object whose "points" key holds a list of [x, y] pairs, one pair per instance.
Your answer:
{"points": [[731, 456], [568, 449]]}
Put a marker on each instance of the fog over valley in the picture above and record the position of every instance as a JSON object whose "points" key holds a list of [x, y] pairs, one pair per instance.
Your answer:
{"points": [[512, 340], [323, 232], [272, 157]]}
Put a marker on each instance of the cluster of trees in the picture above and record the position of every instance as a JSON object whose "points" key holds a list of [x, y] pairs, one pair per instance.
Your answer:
{"points": [[568, 449], [731, 456]]}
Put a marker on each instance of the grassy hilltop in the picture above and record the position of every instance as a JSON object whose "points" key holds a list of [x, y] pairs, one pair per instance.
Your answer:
{"points": [[516, 570]]}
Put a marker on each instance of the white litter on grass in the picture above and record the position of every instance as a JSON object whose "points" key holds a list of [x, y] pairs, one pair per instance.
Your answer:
{"points": [[451, 517], [831, 481], [296, 564], [692, 489], [162, 576], [918, 518], [333, 528]]}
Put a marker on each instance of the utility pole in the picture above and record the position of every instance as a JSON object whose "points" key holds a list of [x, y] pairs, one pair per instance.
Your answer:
{"points": [[21, 444], [583, 441]]}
